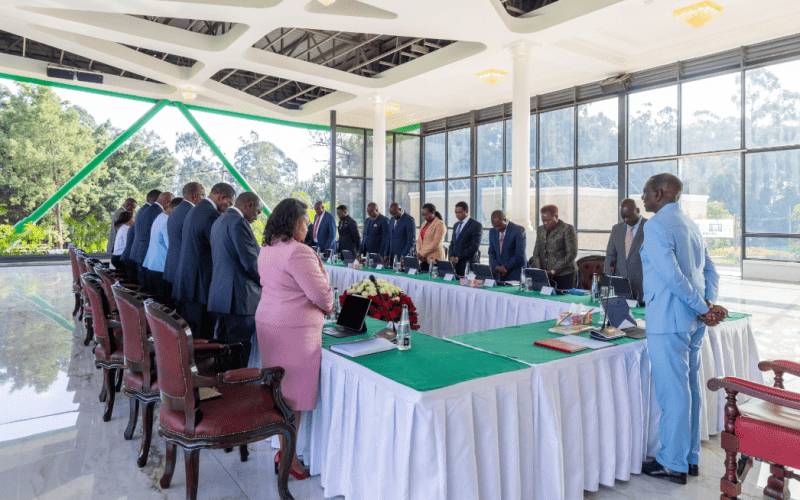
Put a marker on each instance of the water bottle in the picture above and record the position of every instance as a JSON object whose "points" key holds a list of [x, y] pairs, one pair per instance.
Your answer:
{"points": [[522, 281], [433, 270], [595, 287], [404, 331], [337, 308], [370, 264], [396, 264], [466, 269]]}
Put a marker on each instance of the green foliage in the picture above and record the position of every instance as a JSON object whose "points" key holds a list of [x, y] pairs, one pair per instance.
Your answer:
{"points": [[304, 197], [716, 210], [90, 234], [32, 240]]}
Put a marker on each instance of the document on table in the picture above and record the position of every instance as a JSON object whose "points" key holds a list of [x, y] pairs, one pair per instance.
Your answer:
{"points": [[363, 347], [590, 343]]}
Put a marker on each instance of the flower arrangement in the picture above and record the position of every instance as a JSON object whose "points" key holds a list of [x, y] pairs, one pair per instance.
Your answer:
{"points": [[394, 298]]}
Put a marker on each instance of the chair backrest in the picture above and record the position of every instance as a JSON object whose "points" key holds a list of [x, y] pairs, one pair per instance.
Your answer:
{"points": [[81, 257], [73, 259], [175, 360], [587, 266], [92, 263], [134, 326], [93, 288], [108, 282]]}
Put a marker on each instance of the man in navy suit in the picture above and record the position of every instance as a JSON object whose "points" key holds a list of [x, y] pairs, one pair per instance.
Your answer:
{"points": [[680, 286], [235, 284], [193, 193], [402, 234], [324, 230], [142, 243], [127, 262], [467, 234], [193, 277], [506, 247], [376, 233]]}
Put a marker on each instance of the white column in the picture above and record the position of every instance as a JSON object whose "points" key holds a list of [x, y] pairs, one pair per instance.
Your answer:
{"points": [[520, 209], [379, 152]]}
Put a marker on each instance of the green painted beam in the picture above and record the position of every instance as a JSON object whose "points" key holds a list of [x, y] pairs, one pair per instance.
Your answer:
{"points": [[201, 131], [88, 169], [48, 83]]}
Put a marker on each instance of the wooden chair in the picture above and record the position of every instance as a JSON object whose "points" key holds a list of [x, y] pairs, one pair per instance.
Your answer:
{"points": [[766, 427], [76, 281], [81, 257], [587, 266], [249, 406]]}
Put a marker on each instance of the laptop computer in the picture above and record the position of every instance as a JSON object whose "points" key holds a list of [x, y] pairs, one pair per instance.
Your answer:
{"points": [[538, 276], [622, 286], [376, 259], [619, 315], [411, 263], [445, 267], [347, 257], [351, 318], [482, 272]]}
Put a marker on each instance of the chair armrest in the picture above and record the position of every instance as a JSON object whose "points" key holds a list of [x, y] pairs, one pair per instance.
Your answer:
{"points": [[780, 397], [780, 366], [204, 381], [250, 376]]}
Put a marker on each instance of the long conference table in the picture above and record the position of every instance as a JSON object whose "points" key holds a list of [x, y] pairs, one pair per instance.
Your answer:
{"points": [[485, 414]]}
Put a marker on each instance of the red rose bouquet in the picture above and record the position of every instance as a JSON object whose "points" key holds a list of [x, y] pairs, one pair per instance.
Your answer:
{"points": [[394, 298]]}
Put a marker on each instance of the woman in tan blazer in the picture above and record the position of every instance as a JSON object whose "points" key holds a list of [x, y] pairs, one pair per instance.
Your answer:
{"points": [[431, 236]]}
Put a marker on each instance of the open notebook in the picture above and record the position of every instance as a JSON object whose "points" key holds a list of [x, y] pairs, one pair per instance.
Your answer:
{"points": [[363, 347]]}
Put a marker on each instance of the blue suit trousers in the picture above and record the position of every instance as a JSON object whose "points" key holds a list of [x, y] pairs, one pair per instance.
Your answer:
{"points": [[675, 363]]}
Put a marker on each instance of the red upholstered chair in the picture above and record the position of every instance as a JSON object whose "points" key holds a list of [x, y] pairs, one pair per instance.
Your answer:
{"points": [[587, 266], [87, 306], [108, 353], [140, 382], [76, 280], [766, 427], [249, 406]]}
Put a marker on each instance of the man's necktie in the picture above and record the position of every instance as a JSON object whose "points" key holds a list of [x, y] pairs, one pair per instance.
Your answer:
{"points": [[316, 225], [502, 235], [628, 241], [458, 229]]}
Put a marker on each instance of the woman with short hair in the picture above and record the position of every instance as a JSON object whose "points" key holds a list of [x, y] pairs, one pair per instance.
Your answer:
{"points": [[431, 236], [121, 226], [556, 249]]}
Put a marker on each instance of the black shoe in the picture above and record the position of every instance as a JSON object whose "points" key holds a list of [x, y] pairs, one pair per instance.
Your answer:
{"points": [[694, 470], [655, 469]]}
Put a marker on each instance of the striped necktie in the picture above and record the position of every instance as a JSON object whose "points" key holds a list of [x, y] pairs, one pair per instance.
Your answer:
{"points": [[628, 241]]}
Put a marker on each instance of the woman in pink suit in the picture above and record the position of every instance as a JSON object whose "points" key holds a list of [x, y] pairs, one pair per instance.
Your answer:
{"points": [[295, 296]]}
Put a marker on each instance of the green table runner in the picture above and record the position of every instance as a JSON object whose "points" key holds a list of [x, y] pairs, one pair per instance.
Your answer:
{"points": [[431, 363]]}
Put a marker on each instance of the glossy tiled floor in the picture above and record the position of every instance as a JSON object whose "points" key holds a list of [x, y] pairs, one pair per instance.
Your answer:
{"points": [[54, 444]]}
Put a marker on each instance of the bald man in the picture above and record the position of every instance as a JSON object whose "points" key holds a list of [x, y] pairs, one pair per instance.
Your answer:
{"points": [[622, 253]]}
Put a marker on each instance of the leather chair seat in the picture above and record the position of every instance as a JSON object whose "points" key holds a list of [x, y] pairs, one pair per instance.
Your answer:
{"points": [[252, 405], [134, 380], [116, 356]]}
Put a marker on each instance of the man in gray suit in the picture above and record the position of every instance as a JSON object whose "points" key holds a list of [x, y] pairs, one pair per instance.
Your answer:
{"points": [[128, 206], [622, 254]]}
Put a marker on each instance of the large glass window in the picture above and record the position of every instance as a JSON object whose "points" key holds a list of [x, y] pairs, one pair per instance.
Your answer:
{"points": [[558, 188], [349, 152], [459, 148], [772, 105], [407, 161], [490, 194], [435, 193], [434, 156], [638, 173], [781, 249], [490, 148], [653, 123], [557, 138], [597, 198], [773, 192], [597, 132], [407, 194], [349, 192], [710, 114], [457, 190]]}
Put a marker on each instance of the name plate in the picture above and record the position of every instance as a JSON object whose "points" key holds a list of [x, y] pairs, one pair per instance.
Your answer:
{"points": [[379, 266], [547, 290], [449, 277], [412, 271], [488, 283]]}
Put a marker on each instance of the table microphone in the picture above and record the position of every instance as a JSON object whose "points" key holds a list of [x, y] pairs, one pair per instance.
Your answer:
{"points": [[386, 333]]}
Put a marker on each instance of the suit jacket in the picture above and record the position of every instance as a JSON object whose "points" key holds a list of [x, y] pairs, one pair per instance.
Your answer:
{"points": [[235, 283], [679, 275], [465, 248], [349, 238], [326, 231], [401, 235], [129, 245], [193, 278], [159, 244], [628, 267], [310, 236], [142, 242], [512, 257], [556, 251], [376, 236], [175, 237], [112, 233], [430, 247]]}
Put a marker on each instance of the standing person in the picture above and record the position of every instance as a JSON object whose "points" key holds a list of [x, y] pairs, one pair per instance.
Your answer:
{"points": [[153, 265], [235, 284], [130, 244], [680, 286], [324, 231], [193, 193], [193, 276], [144, 230], [556, 249], [467, 235], [309, 241], [431, 236], [128, 205], [506, 247], [376, 233], [124, 223], [401, 234], [622, 253], [349, 238], [295, 297]]}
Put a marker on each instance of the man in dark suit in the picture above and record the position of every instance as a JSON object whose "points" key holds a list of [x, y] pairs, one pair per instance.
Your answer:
{"points": [[142, 243], [466, 241], [624, 243], [193, 193], [324, 229], [506, 247], [127, 262], [349, 238], [310, 236], [235, 284], [402, 234], [193, 277], [376, 233]]}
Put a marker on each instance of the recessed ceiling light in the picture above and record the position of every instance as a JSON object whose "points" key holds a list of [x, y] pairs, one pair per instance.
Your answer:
{"points": [[698, 14], [326, 2], [491, 76], [189, 94]]}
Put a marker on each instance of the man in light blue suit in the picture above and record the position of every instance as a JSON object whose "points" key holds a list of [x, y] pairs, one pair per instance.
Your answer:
{"points": [[506, 248], [323, 230], [680, 286]]}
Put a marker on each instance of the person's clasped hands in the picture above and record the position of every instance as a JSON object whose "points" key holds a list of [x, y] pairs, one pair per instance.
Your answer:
{"points": [[714, 316]]}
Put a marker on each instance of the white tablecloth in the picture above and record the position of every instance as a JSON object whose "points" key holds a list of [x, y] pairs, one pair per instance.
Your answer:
{"points": [[446, 310]]}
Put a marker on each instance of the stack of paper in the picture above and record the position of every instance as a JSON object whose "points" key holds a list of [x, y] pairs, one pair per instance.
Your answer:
{"points": [[363, 347]]}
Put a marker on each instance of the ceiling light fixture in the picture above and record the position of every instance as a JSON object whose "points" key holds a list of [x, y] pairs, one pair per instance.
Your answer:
{"points": [[188, 94], [698, 14], [392, 108], [491, 76], [326, 3]]}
